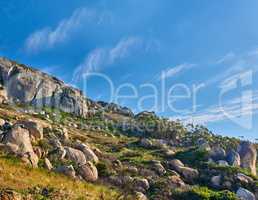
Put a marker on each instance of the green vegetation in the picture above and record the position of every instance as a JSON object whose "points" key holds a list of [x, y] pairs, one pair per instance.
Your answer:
{"points": [[203, 193], [192, 157]]}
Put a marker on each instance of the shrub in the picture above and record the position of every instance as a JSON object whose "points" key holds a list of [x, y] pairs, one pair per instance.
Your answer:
{"points": [[203, 193]]}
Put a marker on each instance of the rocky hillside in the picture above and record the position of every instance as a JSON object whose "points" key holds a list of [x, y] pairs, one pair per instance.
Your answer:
{"points": [[70, 147]]}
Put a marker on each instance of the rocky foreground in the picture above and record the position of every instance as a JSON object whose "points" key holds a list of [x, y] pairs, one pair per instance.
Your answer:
{"points": [[129, 156]]}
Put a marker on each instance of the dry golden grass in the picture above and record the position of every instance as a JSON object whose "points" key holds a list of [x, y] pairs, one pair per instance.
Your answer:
{"points": [[16, 176]]}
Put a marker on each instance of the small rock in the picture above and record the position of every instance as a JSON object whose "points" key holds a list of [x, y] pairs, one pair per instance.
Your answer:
{"points": [[132, 169], [141, 184], [176, 181], [140, 196], [222, 163], [2, 122], [146, 143], [244, 194], [157, 166], [244, 179], [216, 181], [67, 170]]}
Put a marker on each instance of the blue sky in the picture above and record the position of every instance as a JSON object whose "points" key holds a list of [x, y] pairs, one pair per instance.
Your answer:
{"points": [[206, 52]]}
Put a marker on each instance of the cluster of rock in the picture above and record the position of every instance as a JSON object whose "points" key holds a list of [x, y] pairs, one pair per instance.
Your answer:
{"points": [[114, 108], [245, 156], [19, 140]]}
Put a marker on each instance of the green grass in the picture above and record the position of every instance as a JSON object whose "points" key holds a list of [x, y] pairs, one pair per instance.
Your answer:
{"points": [[20, 178], [203, 193]]}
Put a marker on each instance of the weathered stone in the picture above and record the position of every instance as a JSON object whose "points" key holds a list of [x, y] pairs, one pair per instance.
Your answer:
{"points": [[20, 137], [216, 181], [66, 170], [88, 172], [10, 195], [141, 184], [48, 164], [35, 128], [248, 155], [88, 153], [233, 158], [75, 155], [146, 143], [242, 178], [157, 166], [140, 196], [217, 153], [29, 86], [176, 182], [132, 169], [188, 173], [244, 194], [2, 122], [222, 163]]}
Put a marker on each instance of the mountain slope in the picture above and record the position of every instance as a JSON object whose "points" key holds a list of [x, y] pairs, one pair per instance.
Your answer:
{"points": [[138, 156]]}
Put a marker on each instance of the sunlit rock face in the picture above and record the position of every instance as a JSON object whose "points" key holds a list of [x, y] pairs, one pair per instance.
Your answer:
{"points": [[29, 86]]}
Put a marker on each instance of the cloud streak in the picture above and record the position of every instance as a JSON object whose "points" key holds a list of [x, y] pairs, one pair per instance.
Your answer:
{"points": [[49, 37], [170, 72], [100, 58], [234, 110]]}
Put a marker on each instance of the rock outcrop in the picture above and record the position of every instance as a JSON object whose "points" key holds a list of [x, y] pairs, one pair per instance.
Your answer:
{"points": [[25, 85], [88, 172], [19, 143], [248, 155]]}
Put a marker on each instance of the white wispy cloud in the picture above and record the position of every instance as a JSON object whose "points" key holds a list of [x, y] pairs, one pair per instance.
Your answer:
{"points": [[172, 71], [100, 58], [234, 65], [49, 37], [234, 109]]}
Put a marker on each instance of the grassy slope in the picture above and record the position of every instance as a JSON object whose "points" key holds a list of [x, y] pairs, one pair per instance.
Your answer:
{"points": [[16, 176]]}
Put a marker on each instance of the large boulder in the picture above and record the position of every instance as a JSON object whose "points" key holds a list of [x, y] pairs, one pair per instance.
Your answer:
{"points": [[233, 158], [18, 139], [88, 171], [244, 194], [188, 173], [35, 128], [248, 155], [88, 153], [141, 184], [75, 155], [217, 153]]}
